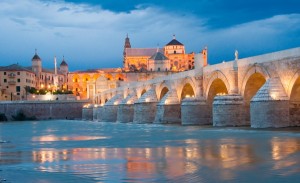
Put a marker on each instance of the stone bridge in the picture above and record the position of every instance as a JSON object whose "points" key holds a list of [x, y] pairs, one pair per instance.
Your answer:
{"points": [[261, 91]]}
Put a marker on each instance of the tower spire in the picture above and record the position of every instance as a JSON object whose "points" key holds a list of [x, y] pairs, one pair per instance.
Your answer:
{"points": [[174, 37]]}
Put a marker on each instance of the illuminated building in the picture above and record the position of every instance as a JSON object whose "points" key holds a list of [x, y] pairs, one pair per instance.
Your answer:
{"points": [[136, 59], [15, 78]]}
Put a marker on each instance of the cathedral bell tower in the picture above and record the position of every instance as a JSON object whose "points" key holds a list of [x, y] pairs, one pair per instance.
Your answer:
{"points": [[126, 45]]}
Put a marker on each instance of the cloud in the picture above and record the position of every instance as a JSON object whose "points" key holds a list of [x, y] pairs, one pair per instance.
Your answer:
{"points": [[63, 9], [95, 36]]}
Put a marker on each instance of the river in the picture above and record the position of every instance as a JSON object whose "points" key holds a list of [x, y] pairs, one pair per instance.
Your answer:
{"points": [[84, 151]]}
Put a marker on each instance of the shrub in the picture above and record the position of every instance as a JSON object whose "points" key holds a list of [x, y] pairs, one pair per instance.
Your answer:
{"points": [[20, 116]]}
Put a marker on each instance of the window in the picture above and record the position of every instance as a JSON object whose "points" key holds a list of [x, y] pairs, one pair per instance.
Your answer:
{"points": [[19, 80], [18, 88], [5, 80], [4, 73], [18, 73], [174, 52], [158, 69]]}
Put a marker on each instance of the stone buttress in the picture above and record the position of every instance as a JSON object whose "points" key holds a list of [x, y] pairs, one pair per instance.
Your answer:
{"points": [[228, 110], [99, 112], [126, 108], [195, 111], [87, 112], [168, 109], [270, 106], [110, 109], [145, 108]]}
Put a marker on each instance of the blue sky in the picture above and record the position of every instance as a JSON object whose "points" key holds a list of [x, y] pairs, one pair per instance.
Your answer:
{"points": [[90, 34]]}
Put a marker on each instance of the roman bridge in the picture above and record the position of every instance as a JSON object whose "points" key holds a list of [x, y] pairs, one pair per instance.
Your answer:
{"points": [[261, 91]]}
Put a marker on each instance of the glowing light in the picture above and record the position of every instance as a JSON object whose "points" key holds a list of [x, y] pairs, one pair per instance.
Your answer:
{"points": [[128, 102], [116, 103], [187, 96], [48, 86], [95, 105], [147, 99], [274, 95], [33, 96], [42, 86], [166, 101]]}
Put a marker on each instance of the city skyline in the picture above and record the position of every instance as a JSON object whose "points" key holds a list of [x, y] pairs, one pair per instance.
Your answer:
{"points": [[90, 34]]}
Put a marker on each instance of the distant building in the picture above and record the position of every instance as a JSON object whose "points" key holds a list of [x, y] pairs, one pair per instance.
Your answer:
{"points": [[136, 59], [15, 78]]}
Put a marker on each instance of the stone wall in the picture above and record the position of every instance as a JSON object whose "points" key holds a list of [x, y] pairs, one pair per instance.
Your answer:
{"points": [[109, 113], [195, 112], [229, 110], [125, 113], [267, 114], [170, 113], [144, 112], [43, 110]]}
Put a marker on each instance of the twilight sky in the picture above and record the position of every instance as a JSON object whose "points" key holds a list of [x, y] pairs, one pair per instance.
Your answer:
{"points": [[90, 33]]}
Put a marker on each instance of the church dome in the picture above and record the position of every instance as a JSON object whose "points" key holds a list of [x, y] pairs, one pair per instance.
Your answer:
{"points": [[158, 56]]}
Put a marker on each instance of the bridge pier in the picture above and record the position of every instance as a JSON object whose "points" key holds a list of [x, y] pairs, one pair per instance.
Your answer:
{"points": [[168, 109], [110, 109], [270, 106], [99, 113], [195, 111], [126, 109], [145, 108], [87, 112], [125, 113], [95, 111], [228, 110]]}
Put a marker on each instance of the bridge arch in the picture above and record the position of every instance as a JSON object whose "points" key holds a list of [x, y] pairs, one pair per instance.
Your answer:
{"points": [[293, 83], [141, 91], [162, 90], [255, 69], [186, 89], [294, 95], [217, 84]]}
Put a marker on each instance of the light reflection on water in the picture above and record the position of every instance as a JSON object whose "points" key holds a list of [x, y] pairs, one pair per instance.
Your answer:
{"points": [[196, 155]]}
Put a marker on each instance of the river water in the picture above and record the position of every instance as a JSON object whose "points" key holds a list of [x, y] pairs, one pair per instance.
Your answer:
{"points": [[81, 151]]}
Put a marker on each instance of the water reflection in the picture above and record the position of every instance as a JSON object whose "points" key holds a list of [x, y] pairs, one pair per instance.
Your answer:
{"points": [[144, 163], [128, 153], [284, 152], [52, 138]]}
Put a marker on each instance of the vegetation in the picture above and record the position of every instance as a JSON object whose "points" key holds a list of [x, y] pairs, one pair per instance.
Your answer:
{"points": [[20, 116], [3, 117], [62, 92], [35, 91]]}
